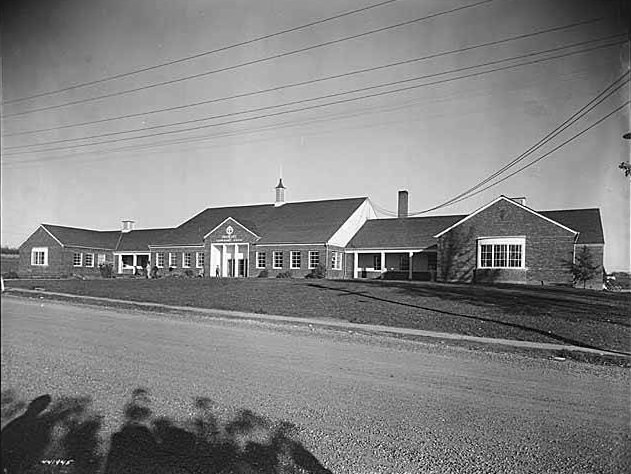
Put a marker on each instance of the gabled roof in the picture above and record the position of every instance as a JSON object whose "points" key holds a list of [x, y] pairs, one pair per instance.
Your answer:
{"points": [[586, 221], [511, 201], [412, 232], [294, 222], [72, 236], [139, 239]]}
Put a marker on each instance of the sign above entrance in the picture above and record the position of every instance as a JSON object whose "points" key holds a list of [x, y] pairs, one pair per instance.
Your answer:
{"points": [[231, 232]]}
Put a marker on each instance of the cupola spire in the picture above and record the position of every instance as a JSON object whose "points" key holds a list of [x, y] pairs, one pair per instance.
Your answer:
{"points": [[280, 193]]}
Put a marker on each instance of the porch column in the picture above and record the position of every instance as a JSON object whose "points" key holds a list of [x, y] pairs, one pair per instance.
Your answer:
{"points": [[355, 265], [383, 262], [135, 262], [235, 262], [120, 263], [223, 260], [411, 254]]}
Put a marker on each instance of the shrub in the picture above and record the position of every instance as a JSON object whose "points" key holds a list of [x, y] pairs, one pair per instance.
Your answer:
{"points": [[318, 272], [106, 270], [189, 273], [286, 274], [263, 274]]}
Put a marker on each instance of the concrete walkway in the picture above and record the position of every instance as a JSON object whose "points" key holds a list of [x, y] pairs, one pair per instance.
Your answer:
{"points": [[324, 323]]}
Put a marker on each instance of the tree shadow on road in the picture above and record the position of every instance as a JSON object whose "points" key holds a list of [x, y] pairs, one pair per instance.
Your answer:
{"points": [[63, 436]]}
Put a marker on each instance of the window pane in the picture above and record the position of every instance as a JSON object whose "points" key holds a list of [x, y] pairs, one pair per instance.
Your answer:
{"points": [[314, 259], [76, 260], [278, 259], [514, 259], [486, 256], [260, 259], [404, 263], [295, 259], [500, 255]]}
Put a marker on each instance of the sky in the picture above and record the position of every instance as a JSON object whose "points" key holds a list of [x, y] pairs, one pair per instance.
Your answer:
{"points": [[440, 136]]}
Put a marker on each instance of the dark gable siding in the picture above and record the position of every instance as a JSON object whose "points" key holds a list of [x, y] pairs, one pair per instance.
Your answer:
{"points": [[549, 248], [56, 262]]}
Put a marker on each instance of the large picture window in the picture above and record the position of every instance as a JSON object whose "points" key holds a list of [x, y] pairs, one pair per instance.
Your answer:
{"points": [[501, 253], [39, 256]]}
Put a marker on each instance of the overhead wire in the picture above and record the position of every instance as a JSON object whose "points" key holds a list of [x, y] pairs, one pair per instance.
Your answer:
{"points": [[321, 79], [611, 89], [115, 140], [247, 63], [200, 55]]}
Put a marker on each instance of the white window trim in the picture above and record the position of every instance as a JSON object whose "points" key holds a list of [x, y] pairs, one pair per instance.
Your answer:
{"points": [[172, 258], [99, 260], [184, 265], [43, 250], [158, 260], [80, 259], [264, 259], [336, 260], [197, 259], [291, 260], [86, 260], [502, 241], [313, 252], [274, 253]]}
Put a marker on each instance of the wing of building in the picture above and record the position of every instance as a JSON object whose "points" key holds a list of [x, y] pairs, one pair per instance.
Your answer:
{"points": [[503, 241]]}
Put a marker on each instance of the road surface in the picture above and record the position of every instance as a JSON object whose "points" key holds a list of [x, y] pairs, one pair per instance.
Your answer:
{"points": [[362, 403]]}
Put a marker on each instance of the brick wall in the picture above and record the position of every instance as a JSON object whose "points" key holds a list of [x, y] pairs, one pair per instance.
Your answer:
{"points": [[56, 266], [548, 249], [179, 260], [301, 272]]}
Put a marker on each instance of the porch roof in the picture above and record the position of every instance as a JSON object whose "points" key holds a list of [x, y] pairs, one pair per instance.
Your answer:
{"points": [[411, 233]]}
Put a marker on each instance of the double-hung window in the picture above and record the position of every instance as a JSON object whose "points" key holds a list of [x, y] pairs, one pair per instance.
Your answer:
{"points": [[314, 258], [294, 259], [277, 261], [172, 259], [336, 260], [187, 257], [77, 259], [89, 259], [261, 260], [505, 252], [101, 259], [39, 256], [200, 260], [160, 260]]}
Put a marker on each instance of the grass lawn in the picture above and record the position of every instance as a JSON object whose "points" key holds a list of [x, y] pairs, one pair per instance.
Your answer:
{"points": [[545, 314]]}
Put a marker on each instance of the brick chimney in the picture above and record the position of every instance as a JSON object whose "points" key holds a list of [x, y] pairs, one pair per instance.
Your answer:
{"points": [[127, 225], [403, 204]]}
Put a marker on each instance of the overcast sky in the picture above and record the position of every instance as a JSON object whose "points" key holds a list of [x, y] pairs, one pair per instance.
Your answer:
{"points": [[435, 140]]}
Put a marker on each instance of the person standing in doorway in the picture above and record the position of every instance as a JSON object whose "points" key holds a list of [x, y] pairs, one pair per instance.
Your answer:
{"points": [[217, 271]]}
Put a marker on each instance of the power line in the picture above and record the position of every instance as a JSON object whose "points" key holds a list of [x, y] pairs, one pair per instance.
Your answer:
{"points": [[598, 122], [202, 54], [591, 105], [248, 63], [323, 105], [326, 78]]}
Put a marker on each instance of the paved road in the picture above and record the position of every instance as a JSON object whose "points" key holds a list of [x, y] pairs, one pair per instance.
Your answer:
{"points": [[363, 403]]}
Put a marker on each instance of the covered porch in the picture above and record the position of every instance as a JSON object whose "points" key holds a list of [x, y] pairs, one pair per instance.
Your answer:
{"points": [[131, 263], [394, 264]]}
